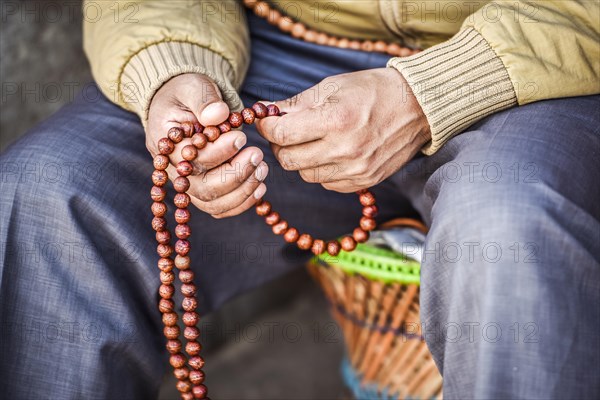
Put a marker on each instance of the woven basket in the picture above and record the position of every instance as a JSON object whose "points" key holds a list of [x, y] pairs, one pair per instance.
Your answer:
{"points": [[374, 294]]}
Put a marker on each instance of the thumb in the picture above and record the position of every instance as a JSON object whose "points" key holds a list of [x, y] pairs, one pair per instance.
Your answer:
{"points": [[299, 102], [205, 101]]}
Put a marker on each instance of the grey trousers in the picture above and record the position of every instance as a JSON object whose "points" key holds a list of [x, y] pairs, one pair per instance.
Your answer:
{"points": [[510, 293]]}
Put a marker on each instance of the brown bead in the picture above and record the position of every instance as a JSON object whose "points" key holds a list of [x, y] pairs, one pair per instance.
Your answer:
{"points": [[280, 228], [405, 52], [159, 209], [200, 392], [182, 215], [182, 262], [193, 348], [188, 289], [188, 128], [367, 45], [260, 110], [169, 319], [298, 30], [187, 396], [171, 332], [189, 303], [291, 235], [380, 46], [272, 110], [184, 386], [273, 17], [285, 24], [248, 115], [159, 224], [261, 9], [158, 193], [173, 346], [196, 377], [224, 127], [354, 45], [370, 211], [164, 250], [160, 178], [348, 243], [196, 362], [332, 41], [198, 128], [185, 168], [310, 36], [176, 134], [263, 208], [199, 141], [183, 231], [235, 119], [166, 291], [190, 318], [305, 241], [189, 153], [161, 162], [367, 224], [163, 237], [182, 247], [181, 200], [212, 133], [186, 276], [366, 199], [333, 248], [167, 277], [181, 373], [322, 38], [343, 43], [177, 360], [272, 218], [318, 247], [166, 146], [393, 49], [166, 305], [181, 184], [165, 264], [191, 333]]}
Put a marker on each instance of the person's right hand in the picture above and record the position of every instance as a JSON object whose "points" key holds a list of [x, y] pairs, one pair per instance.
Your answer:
{"points": [[226, 181]]}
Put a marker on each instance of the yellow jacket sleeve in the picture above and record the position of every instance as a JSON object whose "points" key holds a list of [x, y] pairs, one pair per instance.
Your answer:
{"points": [[135, 46], [507, 53]]}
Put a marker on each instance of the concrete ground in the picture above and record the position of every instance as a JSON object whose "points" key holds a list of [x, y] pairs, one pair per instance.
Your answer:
{"points": [[277, 342]]}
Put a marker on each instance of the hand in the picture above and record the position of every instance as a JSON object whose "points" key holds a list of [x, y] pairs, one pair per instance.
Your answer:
{"points": [[350, 131], [219, 187]]}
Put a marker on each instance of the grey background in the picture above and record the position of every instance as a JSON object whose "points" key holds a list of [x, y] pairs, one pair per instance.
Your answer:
{"points": [[42, 66]]}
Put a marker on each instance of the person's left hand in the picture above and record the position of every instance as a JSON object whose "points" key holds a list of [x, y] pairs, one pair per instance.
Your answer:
{"points": [[350, 131]]}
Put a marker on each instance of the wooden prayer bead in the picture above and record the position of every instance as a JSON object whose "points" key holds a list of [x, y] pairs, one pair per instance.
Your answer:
{"points": [[160, 178], [166, 305], [189, 152], [322, 38], [164, 250], [198, 128], [199, 141], [280, 228], [181, 373], [169, 319], [348, 243], [176, 134], [159, 224], [333, 248], [197, 377], [183, 231], [380, 46], [272, 218], [181, 184], [181, 200], [187, 396], [182, 262], [189, 303], [305, 241], [167, 277], [224, 127], [177, 360], [188, 289], [261, 9], [318, 247], [161, 162], [185, 168], [366, 199], [298, 30], [367, 45], [354, 45], [236, 120], [159, 209], [184, 386], [360, 235], [171, 332], [188, 128], [166, 291], [191, 333], [310, 36], [182, 215], [272, 110], [367, 224], [165, 264], [291, 235], [285, 24], [196, 362], [158, 193], [212, 133], [248, 115], [193, 348], [190, 318], [182, 247], [200, 392], [173, 346], [263, 208], [343, 43], [166, 146], [370, 211], [260, 110], [163, 237]]}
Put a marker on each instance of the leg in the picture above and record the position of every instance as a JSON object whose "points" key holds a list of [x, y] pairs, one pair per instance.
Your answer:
{"points": [[510, 289]]}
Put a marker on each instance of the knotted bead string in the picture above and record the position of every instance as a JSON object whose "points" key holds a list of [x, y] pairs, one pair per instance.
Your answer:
{"points": [[191, 377]]}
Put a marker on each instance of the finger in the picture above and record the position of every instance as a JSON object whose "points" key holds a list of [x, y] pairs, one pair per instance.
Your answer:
{"points": [[344, 186], [204, 100], [229, 176], [214, 154], [294, 128], [251, 189], [323, 174], [300, 156], [248, 203]]}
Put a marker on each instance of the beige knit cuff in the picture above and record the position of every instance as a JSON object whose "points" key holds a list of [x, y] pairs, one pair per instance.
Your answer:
{"points": [[456, 83], [145, 73]]}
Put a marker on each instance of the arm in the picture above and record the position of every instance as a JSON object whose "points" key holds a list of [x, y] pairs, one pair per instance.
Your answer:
{"points": [[508, 53]]}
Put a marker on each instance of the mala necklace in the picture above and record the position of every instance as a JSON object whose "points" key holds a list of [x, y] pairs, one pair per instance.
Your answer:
{"points": [[190, 380], [188, 366]]}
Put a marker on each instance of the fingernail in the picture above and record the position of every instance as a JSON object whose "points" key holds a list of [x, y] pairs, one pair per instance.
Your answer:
{"points": [[240, 142], [261, 172], [260, 191], [255, 159]]}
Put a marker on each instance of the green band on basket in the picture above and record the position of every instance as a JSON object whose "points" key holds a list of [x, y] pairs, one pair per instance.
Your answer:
{"points": [[376, 263]]}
